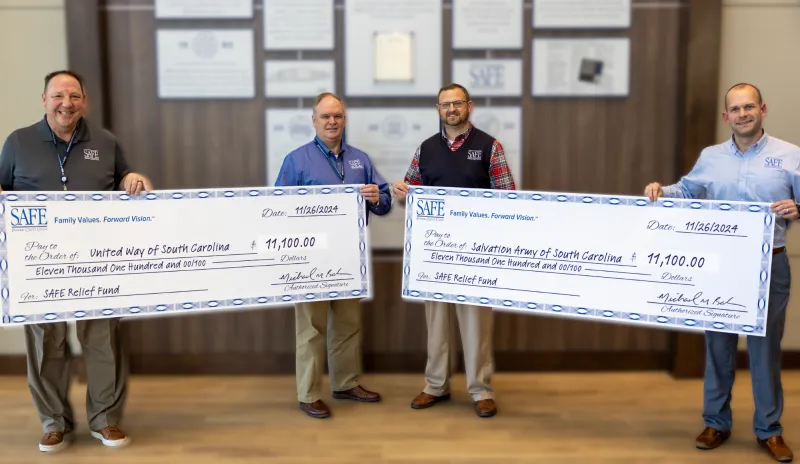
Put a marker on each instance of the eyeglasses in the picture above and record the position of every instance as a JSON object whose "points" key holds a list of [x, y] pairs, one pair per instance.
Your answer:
{"points": [[455, 104]]}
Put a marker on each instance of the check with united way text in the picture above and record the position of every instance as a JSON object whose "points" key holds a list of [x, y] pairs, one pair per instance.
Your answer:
{"points": [[675, 263], [86, 255]]}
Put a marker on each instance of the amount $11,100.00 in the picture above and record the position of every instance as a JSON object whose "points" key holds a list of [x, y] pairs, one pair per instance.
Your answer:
{"points": [[291, 242]]}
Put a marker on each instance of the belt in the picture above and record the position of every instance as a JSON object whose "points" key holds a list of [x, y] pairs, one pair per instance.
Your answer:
{"points": [[775, 251]]}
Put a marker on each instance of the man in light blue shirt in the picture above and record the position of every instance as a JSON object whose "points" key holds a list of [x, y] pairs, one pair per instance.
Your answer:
{"points": [[327, 160], [750, 166]]}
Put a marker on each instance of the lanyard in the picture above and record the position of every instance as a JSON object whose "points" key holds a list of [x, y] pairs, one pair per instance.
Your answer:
{"points": [[69, 147], [339, 174]]}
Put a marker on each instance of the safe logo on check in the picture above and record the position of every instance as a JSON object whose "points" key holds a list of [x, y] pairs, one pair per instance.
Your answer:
{"points": [[28, 217], [430, 210]]}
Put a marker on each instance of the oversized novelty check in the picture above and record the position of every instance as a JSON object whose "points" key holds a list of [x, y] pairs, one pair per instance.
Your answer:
{"points": [[702, 265], [77, 255]]}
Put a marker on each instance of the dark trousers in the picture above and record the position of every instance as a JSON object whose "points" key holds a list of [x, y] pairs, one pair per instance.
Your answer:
{"points": [[765, 364]]}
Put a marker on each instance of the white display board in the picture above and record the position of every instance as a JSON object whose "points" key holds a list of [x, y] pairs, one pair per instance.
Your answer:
{"points": [[204, 63], [487, 24], [298, 25], [581, 67], [489, 77], [299, 78], [393, 48], [286, 129], [580, 14], [201, 9], [505, 124], [390, 136]]}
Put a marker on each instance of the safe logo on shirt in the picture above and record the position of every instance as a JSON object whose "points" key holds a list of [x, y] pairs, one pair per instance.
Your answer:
{"points": [[474, 155], [773, 162], [355, 164], [92, 155]]}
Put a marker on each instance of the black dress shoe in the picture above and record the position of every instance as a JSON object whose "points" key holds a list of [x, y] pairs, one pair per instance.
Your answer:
{"points": [[357, 393], [317, 409]]}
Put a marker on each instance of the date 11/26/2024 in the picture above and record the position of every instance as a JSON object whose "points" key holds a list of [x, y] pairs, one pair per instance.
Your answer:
{"points": [[695, 227]]}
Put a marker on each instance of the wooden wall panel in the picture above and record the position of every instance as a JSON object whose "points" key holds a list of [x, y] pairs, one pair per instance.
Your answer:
{"points": [[599, 145], [701, 108]]}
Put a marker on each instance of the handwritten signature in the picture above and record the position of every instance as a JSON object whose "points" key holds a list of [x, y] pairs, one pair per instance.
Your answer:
{"points": [[312, 275], [698, 300]]}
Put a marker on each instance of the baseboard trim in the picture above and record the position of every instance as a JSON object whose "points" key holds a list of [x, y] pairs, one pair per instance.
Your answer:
{"points": [[13, 364], [16, 364], [231, 364], [789, 360], [283, 363]]}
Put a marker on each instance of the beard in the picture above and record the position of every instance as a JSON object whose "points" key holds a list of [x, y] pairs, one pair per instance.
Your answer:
{"points": [[463, 117]]}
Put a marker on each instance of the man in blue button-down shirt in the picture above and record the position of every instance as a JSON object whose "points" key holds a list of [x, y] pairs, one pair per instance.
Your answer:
{"points": [[750, 166], [327, 160]]}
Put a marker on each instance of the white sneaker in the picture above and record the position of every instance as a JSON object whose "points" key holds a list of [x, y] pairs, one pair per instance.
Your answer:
{"points": [[112, 437], [53, 442]]}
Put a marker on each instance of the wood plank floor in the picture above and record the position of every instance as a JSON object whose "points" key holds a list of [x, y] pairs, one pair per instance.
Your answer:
{"points": [[543, 418]]}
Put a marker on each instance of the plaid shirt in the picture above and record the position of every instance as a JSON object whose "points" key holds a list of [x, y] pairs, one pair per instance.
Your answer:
{"points": [[499, 173]]}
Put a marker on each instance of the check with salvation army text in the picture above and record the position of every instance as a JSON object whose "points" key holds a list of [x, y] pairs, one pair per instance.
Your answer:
{"points": [[85, 255], [675, 263]]}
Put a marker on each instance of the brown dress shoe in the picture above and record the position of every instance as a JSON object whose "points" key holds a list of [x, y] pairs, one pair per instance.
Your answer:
{"points": [[317, 409], [357, 393], [53, 442], [425, 400], [710, 438], [111, 436], [777, 448], [485, 408]]}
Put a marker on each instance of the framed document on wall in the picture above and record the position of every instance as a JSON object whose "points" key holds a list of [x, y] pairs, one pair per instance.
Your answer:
{"points": [[216, 63]]}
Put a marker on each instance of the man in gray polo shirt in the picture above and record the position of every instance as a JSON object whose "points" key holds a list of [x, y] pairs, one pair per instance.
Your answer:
{"points": [[64, 152]]}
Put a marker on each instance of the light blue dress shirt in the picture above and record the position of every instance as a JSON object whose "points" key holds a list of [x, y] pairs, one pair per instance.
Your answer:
{"points": [[310, 164], [768, 171]]}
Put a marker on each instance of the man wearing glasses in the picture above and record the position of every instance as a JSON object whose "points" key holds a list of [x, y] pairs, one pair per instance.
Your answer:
{"points": [[460, 155]]}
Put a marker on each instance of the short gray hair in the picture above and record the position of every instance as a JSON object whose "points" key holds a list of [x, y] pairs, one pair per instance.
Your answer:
{"points": [[323, 95]]}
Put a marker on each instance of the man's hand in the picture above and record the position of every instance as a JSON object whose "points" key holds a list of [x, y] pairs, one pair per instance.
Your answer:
{"points": [[135, 183], [786, 209], [400, 189], [371, 193], [653, 191]]}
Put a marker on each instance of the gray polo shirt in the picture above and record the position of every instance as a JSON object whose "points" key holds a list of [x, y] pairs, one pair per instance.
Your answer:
{"points": [[28, 161]]}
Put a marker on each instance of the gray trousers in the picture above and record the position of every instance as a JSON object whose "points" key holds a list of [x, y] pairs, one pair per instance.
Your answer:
{"points": [[765, 364], [49, 360], [476, 324]]}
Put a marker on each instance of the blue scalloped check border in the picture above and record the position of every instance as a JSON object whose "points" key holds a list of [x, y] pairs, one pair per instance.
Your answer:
{"points": [[212, 304], [594, 313]]}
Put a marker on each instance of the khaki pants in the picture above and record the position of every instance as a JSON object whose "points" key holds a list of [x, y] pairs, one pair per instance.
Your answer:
{"points": [[337, 322], [49, 361], [476, 324]]}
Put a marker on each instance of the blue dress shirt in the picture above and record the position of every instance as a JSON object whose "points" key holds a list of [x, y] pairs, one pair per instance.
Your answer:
{"points": [[767, 171], [314, 164]]}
